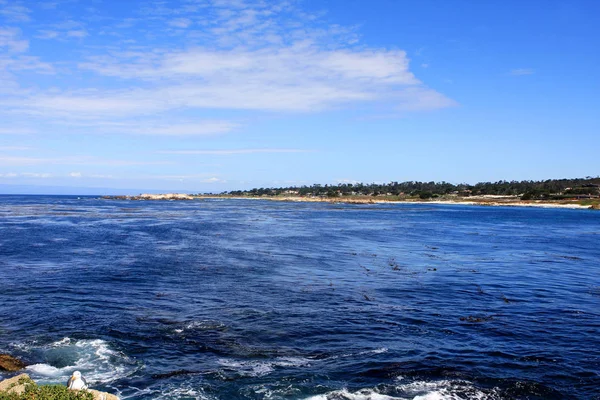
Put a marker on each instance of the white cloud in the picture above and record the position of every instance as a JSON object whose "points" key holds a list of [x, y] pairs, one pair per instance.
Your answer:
{"points": [[522, 71], [65, 30], [300, 77], [233, 55], [231, 152], [180, 22], [73, 160], [35, 175], [191, 129], [75, 175], [25, 175], [22, 63], [13, 11], [47, 34], [423, 99], [79, 33], [10, 39]]}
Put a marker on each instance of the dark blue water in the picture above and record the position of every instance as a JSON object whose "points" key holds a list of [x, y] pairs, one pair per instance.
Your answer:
{"points": [[269, 300]]}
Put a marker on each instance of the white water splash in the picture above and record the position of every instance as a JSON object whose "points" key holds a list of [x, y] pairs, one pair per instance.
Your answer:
{"points": [[420, 390], [94, 358], [262, 368], [169, 392]]}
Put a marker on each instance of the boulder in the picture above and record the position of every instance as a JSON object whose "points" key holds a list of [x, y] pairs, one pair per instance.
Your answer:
{"points": [[12, 385], [9, 363]]}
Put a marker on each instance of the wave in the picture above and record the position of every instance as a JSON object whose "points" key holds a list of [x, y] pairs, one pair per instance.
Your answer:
{"points": [[262, 368], [96, 360], [419, 390], [169, 392]]}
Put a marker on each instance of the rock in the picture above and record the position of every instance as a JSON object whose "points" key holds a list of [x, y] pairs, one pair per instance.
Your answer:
{"points": [[166, 196], [12, 385], [102, 395], [147, 196], [9, 363]]}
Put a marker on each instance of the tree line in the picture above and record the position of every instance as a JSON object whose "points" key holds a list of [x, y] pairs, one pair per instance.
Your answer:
{"points": [[527, 189]]}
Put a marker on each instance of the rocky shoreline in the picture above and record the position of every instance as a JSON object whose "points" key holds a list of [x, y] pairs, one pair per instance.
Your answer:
{"points": [[497, 201], [23, 385]]}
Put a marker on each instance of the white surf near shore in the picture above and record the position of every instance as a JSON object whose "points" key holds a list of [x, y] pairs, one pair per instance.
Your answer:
{"points": [[98, 363], [419, 390]]}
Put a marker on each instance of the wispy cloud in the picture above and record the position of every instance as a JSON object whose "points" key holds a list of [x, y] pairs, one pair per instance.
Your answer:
{"points": [[235, 55], [26, 175], [522, 71], [14, 148], [80, 33], [299, 77], [198, 128], [36, 175], [10, 39], [180, 22], [231, 151], [65, 30], [16, 131], [14, 11], [72, 160], [184, 70], [47, 34]]}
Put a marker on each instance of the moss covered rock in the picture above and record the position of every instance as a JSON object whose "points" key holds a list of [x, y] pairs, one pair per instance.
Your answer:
{"points": [[22, 387]]}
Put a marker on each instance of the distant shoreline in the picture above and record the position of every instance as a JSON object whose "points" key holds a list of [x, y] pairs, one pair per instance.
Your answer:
{"points": [[474, 202], [493, 201]]}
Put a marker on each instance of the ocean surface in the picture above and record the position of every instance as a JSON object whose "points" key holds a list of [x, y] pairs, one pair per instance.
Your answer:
{"points": [[251, 299]]}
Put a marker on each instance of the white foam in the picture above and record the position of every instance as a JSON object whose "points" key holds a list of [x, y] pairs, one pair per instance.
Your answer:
{"points": [[362, 353], [205, 324], [62, 342], [169, 393], [365, 394], [94, 358], [420, 390], [45, 370], [262, 368]]}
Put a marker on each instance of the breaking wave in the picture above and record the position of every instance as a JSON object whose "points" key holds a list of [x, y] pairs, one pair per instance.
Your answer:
{"points": [[419, 390], [97, 361]]}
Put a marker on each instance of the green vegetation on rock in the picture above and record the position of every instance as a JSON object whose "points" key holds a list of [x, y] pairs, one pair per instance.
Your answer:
{"points": [[46, 392]]}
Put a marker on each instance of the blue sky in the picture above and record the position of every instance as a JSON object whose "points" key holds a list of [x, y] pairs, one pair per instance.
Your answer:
{"points": [[212, 95]]}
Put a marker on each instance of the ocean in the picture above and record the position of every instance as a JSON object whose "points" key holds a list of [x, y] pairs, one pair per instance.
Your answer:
{"points": [[253, 299]]}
